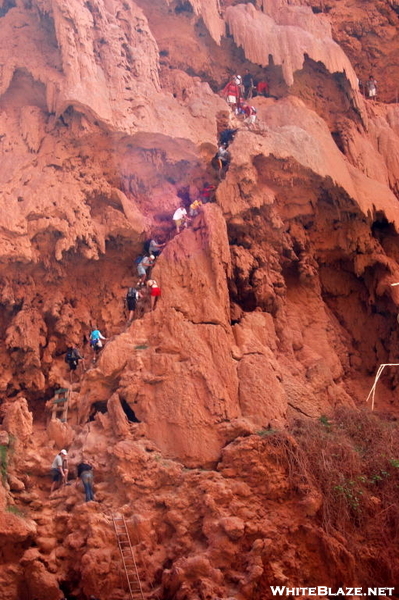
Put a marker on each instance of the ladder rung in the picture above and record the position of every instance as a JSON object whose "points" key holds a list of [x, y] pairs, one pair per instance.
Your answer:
{"points": [[128, 559]]}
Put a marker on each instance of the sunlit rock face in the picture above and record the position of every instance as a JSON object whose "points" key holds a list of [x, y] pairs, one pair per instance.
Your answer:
{"points": [[276, 302]]}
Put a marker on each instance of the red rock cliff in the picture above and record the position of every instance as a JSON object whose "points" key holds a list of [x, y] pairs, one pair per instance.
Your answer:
{"points": [[225, 424]]}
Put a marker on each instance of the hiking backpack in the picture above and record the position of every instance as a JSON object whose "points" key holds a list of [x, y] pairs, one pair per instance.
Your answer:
{"points": [[131, 293], [70, 355]]}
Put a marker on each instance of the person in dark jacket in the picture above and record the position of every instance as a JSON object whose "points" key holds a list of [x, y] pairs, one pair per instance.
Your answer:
{"points": [[132, 298], [85, 474], [248, 83], [72, 358]]}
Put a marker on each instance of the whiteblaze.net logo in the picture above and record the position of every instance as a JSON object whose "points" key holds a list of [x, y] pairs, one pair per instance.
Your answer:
{"points": [[322, 590]]}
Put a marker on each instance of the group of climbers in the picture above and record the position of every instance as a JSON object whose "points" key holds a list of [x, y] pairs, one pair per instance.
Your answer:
{"points": [[73, 355], [191, 206], [181, 218], [240, 89], [145, 285], [60, 471], [234, 92]]}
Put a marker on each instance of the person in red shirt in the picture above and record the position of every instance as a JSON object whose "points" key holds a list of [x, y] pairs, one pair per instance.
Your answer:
{"points": [[250, 114], [207, 192], [232, 93], [263, 88]]}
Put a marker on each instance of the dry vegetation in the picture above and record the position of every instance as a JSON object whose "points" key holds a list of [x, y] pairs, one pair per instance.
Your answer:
{"points": [[352, 460]]}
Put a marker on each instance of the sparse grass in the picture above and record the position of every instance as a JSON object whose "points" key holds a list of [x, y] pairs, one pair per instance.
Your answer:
{"points": [[3, 461], [266, 432], [324, 420], [15, 511]]}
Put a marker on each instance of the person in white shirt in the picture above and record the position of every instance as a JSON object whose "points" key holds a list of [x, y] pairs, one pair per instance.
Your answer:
{"points": [[371, 87], [180, 218], [57, 471]]}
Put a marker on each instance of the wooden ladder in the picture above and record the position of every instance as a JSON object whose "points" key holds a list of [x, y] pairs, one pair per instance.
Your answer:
{"points": [[128, 558], [60, 405]]}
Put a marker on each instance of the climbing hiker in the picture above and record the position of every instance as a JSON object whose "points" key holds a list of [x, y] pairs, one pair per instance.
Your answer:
{"points": [[227, 136], [207, 193], [223, 154], [371, 87], [96, 341], [65, 469], [72, 358], [145, 263], [232, 93], [155, 248], [250, 114], [195, 208], [132, 297], [248, 84], [57, 471], [262, 88], [155, 292], [221, 159], [180, 218], [85, 474], [238, 80]]}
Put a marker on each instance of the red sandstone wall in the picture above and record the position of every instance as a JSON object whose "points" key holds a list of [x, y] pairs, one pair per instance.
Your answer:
{"points": [[276, 303]]}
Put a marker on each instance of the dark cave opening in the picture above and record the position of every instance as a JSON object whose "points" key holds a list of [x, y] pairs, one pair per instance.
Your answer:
{"points": [[98, 407], [129, 412], [381, 227], [244, 297], [184, 7], [337, 137]]}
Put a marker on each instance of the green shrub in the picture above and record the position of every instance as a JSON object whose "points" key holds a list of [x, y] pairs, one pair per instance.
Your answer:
{"points": [[3, 461]]}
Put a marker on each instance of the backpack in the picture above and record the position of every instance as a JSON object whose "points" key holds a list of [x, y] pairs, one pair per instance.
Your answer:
{"points": [[70, 355], [131, 293], [84, 467], [138, 260], [227, 135], [147, 244]]}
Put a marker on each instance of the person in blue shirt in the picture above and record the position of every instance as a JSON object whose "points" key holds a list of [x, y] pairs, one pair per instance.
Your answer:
{"points": [[96, 338]]}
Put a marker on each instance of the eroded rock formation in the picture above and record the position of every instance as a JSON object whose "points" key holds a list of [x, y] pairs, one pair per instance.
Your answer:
{"points": [[276, 304]]}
